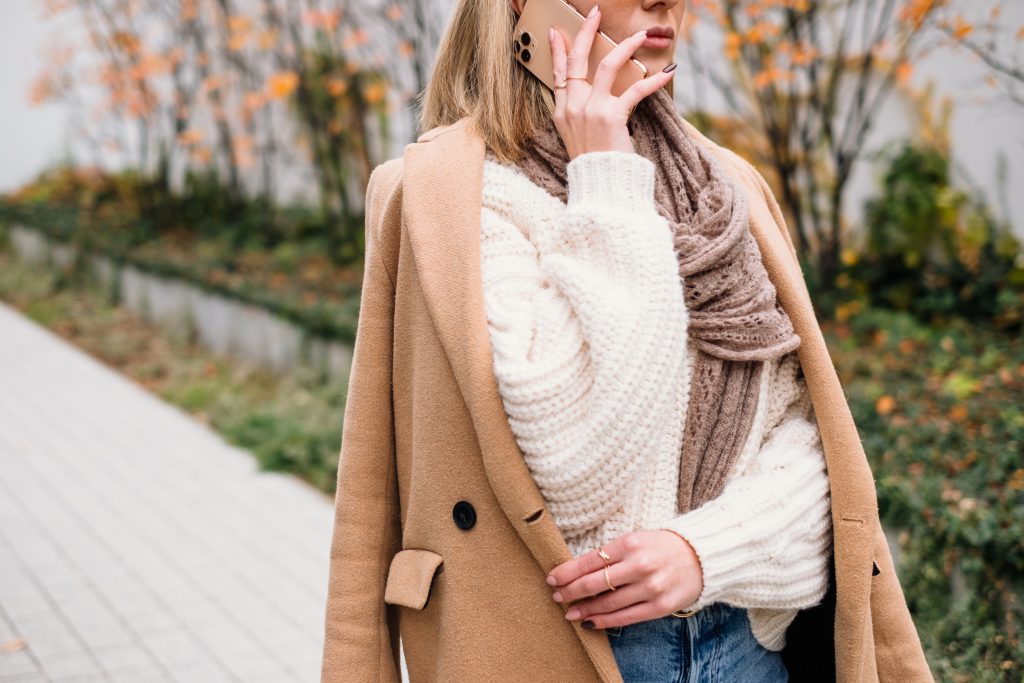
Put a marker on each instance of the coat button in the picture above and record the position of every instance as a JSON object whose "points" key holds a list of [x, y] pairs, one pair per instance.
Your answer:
{"points": [[464, 515]]}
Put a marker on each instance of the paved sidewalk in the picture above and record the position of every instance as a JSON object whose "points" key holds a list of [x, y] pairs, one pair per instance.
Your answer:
{"points": [[135, 544]]}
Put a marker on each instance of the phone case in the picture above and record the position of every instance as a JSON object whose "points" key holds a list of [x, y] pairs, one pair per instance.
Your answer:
{"points": [[533, 49]]}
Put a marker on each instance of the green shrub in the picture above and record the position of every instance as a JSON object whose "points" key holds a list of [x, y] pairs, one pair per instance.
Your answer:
{"points": [[934, 250], [941, 416]]}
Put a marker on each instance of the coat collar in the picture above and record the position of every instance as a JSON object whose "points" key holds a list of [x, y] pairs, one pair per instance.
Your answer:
{"points": [[442, 195]]}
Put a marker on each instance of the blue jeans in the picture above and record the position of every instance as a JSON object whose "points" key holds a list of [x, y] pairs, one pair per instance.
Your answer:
{"points": [[715, 644]]}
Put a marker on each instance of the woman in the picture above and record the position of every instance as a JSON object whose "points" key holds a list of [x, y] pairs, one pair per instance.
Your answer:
{"points": [[578, 445]]}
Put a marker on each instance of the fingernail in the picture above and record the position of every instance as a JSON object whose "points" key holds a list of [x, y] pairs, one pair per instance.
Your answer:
{"points": [[593, 11], [587, 623], [638, 34], [550, 580], [551, 33], [557, 596], [670, 67], [572, 614]]}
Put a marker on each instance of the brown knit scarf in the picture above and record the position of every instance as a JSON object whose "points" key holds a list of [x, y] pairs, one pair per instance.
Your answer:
{"points": [[735, 320]]}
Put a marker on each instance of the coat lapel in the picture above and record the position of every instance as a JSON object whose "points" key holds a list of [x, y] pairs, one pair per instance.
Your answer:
{"points": [[853, 498], [442, 195]]}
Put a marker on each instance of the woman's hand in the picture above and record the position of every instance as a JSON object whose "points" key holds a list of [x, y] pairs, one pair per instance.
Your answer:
{"points": [[655, 572], [587, 116]]}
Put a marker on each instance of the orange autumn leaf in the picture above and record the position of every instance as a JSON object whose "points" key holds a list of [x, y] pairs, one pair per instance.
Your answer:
{"points": [[374, 93], [958, 413], [325, 20], [282, 84], [904, 71], [916, 11], [237, 41], [254, 100], [190, 137], [961, 28], [239, 23], [336, 87], [202, 154], [767, 77], [732, 45], [267, 39], [885, 405], [355, 38]]}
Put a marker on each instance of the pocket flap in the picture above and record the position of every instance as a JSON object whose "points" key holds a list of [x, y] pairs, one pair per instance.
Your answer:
{"points": [[410, 576]]}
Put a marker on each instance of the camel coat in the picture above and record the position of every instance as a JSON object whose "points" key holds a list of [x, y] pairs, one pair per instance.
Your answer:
{"points": [[441, 535]]}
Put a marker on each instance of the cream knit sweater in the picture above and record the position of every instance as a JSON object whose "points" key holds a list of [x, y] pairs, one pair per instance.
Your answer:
{"points": [[589, 330]]}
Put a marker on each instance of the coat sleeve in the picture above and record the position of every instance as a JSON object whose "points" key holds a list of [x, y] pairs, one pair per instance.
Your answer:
{"points": [[361, 638], [899, 654]]}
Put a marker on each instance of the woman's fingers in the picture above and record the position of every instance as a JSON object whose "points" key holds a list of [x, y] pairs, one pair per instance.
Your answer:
{"points": [[638, 611], [593, 582], [609, 601], [577, 63], [558, 63], [608, 68], [644, 87]]}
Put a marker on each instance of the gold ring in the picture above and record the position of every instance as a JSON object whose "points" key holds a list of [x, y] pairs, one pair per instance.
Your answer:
{"points": [[560, 85], [604, 556], [684, 614], [579, 78], [607, 580]]}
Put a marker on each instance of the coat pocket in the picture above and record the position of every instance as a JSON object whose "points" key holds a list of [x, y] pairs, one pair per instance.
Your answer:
{"points": [[410, 577]]}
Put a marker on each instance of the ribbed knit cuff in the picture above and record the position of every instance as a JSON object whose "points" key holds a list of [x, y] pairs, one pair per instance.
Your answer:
{"points": [[718, 549], [611, 180]]}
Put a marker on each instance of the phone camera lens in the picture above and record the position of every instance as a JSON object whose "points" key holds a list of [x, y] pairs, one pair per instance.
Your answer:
{"points": [[525, 38], [525, 54], [515, 42]]}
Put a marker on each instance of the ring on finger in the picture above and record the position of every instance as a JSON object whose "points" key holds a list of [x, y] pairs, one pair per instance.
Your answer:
{"points": [[607, 580]]}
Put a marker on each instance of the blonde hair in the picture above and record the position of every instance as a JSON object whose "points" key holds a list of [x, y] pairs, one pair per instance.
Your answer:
{"points": [[476, 74]]}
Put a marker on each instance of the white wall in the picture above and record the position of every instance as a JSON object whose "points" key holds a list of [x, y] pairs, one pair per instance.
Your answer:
{"points": [[31, 138]]}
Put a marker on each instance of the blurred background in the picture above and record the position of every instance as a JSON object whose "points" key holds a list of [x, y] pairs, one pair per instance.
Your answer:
{"points": [[181, 198]]}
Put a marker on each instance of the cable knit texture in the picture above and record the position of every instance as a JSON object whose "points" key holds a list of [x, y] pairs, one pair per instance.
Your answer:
{"points": [[588, 326]]}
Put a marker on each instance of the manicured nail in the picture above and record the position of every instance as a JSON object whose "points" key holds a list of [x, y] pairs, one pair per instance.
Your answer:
{"points": [[587, 623], [572, 614], [640, 34], [551, 34], [557, 596], [593, 11], [550, 580], [670, 67]]}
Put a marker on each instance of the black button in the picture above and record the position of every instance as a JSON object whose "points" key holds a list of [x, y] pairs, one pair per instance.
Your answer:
{"points": [[464, 515]]}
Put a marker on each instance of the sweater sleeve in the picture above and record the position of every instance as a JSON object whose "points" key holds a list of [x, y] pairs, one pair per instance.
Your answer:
{"points": [[588, 325], [764, 541]]}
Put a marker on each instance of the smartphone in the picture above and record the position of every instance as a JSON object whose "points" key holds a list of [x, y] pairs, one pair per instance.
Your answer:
{"points": [[533, 50]]}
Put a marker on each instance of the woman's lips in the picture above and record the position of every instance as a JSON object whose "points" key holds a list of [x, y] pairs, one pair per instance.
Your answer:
{"points": [[659, 37], [657, 42]]}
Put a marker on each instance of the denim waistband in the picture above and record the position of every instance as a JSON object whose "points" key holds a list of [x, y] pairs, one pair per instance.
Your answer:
{"points": [[706, 617]]}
